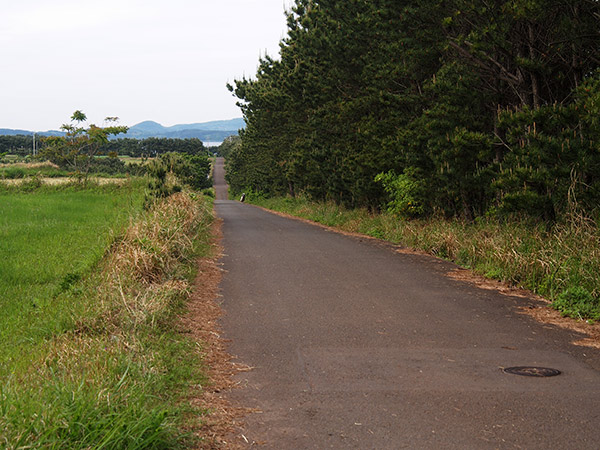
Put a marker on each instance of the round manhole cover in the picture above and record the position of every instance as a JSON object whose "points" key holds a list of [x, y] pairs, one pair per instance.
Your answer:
{"points": [[528, 371]]}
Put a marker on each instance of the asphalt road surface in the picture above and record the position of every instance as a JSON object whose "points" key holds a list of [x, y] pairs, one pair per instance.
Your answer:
{"points": [[355, 345], [219, 180]]}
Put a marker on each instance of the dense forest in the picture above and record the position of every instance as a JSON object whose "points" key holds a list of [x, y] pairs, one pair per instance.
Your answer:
{"points": [[455, 107]]}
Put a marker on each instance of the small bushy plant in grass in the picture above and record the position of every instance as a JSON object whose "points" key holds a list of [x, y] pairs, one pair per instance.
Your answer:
{"points": [[407, 192], [578, 303], [13, 172]]}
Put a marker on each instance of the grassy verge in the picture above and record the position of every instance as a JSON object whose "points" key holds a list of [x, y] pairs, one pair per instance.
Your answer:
{"points": [[561, 264], [48, 170], [96, 360], [24, 170]]}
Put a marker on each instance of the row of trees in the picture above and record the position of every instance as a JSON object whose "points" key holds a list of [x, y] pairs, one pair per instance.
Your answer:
{"points": [[229, 145], [154, 146], [16, 144], [22, 145], [456, 106]]}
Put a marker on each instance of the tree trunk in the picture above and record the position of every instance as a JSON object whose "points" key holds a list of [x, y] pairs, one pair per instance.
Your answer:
{"points": [[535, 89]]}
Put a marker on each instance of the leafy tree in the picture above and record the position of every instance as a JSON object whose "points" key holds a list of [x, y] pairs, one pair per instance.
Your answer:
{"points": [[229, 145], [79, 146], [553, 164], [407, 192]]}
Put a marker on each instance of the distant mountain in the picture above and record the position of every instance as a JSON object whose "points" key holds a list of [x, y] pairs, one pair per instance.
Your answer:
{"points": [[148, 127], [11, 132], [215, 125], [215, 131]]}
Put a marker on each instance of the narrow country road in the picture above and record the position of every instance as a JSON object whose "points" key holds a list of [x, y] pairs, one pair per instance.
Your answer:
{"points": [[355, 345]]}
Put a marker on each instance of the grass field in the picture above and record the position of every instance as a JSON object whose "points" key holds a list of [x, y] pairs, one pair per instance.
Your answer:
{"points": [[48, 240], [47, 171], [134, 159], [17, 171], [90, 286]]}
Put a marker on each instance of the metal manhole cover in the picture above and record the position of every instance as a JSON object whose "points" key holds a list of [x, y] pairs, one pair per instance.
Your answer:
{"points": [[528, 371]]}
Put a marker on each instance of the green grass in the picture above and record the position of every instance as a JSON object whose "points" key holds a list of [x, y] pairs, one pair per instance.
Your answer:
{"points": [[134, 159], [49, 239], [22, 171], [561, 263], [90, 355]]}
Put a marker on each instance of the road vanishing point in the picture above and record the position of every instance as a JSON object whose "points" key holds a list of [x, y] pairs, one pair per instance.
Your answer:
{"points": [[355, 345]]}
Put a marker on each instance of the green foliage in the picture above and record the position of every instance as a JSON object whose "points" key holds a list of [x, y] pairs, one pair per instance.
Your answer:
{"points": [[407, 192], [12, 173], [22, 145], [78, 147], [229, 145], [162, 183], [169, 171], [578, 303], [554, 163], [152, 147], [16, 144], [494, 105], [195, 171]]}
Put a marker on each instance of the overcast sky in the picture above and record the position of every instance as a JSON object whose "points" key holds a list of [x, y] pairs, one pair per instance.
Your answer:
{"points": [[161, 60]]}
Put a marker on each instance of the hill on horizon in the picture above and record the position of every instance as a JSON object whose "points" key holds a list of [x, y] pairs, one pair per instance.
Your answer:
{"points": [[213, 131]]}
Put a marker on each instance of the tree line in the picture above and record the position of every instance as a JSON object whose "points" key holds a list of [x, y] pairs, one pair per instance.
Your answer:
{"points": [[150, 147], [456, 107]]}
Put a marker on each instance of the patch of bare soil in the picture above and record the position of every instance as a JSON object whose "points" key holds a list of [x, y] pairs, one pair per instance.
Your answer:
{"points": [[202, 323], [542, 312]]}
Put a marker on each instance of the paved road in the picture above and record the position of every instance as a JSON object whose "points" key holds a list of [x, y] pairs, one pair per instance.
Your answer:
{"points": [[355, 345], [219, 180]]}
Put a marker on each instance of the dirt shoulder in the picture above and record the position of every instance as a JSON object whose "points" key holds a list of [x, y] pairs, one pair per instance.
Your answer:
{"points": [[202, 323]]}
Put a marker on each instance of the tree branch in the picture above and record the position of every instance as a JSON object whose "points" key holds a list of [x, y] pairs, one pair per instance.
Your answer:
{"points": [[504, 75]]}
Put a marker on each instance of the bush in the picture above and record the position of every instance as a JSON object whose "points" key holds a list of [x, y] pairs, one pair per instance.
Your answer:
{"points": [[109, 166], [13, 172], [578, 303], [407, 192]]}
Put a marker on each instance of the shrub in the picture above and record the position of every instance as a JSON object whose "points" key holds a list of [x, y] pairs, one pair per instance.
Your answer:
{"points": [[407, 192], [578, 303]]}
